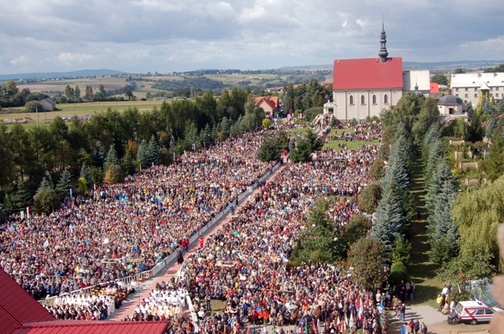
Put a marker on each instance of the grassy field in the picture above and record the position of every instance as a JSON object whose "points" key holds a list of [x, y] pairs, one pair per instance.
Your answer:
{"points": [[144, 84], [79, 109], [423, 271], [336, 144], [109, 83]]}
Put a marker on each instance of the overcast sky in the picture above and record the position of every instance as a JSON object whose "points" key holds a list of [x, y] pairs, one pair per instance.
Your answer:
{"points": [[179, 35]]}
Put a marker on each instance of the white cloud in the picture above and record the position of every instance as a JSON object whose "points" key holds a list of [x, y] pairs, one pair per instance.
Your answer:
{"points": [[73, 58], [485, 49], [20, 61], [160, 5], [57, 35], [220, 10]]}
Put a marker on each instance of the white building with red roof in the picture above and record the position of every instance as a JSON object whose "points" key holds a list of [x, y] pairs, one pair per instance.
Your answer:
{"points": [[268, 103], [365, 87]]}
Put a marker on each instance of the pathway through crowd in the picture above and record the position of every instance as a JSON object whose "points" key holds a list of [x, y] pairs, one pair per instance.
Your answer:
{"points": [[144, 289]]}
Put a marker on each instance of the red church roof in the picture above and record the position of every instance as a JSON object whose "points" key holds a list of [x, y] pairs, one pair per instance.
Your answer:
{"points": [[367, 73], [20, 313]]}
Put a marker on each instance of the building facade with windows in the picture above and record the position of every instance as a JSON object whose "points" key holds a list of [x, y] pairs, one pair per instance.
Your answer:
{"points": [[469, 86], [365, 87]]}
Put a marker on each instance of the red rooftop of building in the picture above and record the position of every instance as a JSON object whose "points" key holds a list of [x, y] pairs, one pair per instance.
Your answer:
{"points": [[20, 313]]}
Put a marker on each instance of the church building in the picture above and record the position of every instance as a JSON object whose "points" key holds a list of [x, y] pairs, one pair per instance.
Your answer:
{"points": [[365, 87]]}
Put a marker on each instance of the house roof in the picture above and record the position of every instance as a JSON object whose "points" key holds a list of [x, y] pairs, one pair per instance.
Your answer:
{"points": [[9, 323], [17, 306], [91, 327], [367, 73], [20, 313], [434, 87], [476, 79], [272, 101], [450, 100]]}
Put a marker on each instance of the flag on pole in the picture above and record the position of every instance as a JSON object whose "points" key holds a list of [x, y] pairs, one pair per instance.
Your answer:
{"points": [[361, 309], [314, 326]]}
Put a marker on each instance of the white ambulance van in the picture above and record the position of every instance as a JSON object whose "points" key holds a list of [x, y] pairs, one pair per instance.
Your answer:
{"points": [[473, 312]]}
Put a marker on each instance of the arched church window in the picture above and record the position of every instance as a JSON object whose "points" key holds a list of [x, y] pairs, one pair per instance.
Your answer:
{"points": [[385, 99], [362, 100], [351, 99], [374, 99]]}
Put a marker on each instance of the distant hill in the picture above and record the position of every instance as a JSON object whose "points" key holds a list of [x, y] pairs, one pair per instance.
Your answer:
{"points": [[434, 67], [446, 66], [55, 75], [468, 65]]}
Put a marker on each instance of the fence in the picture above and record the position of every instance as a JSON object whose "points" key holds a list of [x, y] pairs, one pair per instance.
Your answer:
{"points": [[170, 259]]}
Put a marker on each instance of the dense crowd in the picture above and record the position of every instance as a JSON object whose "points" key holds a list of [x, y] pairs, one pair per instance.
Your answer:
{"points": [[244, 263], [124, 229], [127, 228], [359, 132]]}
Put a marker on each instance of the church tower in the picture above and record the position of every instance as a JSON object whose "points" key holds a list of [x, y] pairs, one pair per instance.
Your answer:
{"points": [[383, 49]]}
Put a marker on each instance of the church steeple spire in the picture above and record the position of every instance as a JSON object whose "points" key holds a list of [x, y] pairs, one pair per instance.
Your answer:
{"points": [[383, 41]]}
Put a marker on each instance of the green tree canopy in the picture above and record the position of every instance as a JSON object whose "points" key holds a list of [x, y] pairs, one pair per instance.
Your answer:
{"points": [[494, 163], [429, 115], [369, 197], [377, 171], [477, 214], [318, 240], [440, 79], [64, 184], [46, 200], [368, 258]]}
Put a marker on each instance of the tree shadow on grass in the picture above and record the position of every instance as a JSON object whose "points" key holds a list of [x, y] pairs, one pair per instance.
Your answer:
{"points": [[422, 270], [425, 293]]}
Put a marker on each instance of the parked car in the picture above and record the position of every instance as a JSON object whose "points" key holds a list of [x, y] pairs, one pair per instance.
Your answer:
{"points": [[473, 312]]}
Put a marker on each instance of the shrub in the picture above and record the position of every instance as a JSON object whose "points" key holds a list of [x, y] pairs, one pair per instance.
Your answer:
{"points": [[398, 273]]}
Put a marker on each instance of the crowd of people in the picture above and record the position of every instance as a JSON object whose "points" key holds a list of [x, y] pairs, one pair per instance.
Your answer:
{"points": [[245, 262], [127, 228], [361, 131]]}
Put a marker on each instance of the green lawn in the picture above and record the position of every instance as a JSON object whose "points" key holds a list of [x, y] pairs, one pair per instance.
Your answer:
{"points": [[333, 144], [422, 270], [352, 145]]}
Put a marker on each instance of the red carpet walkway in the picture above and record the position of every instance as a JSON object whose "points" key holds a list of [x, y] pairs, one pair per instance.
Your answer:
{"points": [[143, 291]]}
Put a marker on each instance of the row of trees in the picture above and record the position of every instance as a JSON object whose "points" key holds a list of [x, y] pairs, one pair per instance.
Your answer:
{"points": [[441, 190], [305, 96], [461, 225], [74, 94], [11, 96], [469, 229], [389, 197]]}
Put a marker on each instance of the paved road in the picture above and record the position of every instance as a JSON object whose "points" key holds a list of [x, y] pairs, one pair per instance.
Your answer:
{"points": [[435, 321]]}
